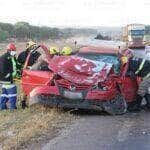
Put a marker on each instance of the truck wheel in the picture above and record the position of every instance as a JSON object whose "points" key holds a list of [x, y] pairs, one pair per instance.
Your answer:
{"points": [[116, 106]]}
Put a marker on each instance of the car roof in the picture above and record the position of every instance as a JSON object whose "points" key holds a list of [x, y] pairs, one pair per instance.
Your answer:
{"points": [[98, 50]]}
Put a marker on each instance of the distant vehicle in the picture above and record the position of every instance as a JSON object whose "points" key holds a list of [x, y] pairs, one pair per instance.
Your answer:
{"points": [[134, 35]]}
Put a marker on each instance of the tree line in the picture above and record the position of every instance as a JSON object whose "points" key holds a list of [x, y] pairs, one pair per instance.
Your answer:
{"points": [[24, 31]]}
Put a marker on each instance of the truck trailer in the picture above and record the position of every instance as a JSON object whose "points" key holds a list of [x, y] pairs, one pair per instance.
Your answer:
{"points": [[134, 35]]}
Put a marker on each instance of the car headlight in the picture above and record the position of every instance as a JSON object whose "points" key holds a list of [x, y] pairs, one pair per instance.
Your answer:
{"points": [[104, 88]]}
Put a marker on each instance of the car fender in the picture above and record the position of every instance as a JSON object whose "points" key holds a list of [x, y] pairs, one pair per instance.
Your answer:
{"points": [[47, 90]]}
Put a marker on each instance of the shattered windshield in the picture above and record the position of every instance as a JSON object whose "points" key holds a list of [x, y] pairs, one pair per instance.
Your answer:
{"points": [[108, 58]]}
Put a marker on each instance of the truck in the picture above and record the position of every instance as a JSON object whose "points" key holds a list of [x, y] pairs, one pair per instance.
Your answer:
{"points": [[134, 35]]}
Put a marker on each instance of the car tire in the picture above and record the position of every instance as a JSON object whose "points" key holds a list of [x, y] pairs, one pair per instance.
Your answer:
{"points": [[116, 106]]}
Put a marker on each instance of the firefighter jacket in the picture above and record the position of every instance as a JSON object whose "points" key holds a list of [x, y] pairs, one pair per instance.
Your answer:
{"points": [[22, 58], [9, 68], [139, 67]]}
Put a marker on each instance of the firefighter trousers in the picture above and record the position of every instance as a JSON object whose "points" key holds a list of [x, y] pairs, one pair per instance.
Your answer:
{"points": [[144, 86], [9, 94]]}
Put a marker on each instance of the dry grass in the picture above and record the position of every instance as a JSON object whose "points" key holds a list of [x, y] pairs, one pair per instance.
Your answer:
{"points": [[60, 43], [20, 126]]}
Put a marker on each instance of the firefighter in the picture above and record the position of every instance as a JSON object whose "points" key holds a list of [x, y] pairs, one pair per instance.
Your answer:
{"points": [[42, 63], [66, 51], [54, 50], [23, 55], [147, 47], [143, 90], [139, 67], [125, 54], [9, 89]]}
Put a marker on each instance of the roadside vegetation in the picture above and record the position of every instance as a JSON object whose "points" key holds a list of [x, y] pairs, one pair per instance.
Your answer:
{"points": [[17, 128], [23, 31], [102, 37]]}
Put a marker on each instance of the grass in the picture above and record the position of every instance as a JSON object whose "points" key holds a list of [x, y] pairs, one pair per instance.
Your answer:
{"points": [[18, 127]]}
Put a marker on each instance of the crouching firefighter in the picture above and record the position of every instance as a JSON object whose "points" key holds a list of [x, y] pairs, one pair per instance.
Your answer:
{"points": [[141, 68], [8, 71]]}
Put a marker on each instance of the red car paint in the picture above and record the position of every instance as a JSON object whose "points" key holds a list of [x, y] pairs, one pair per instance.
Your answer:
{"points": [[79, 70], [128, 86], [32, 78], [73, 82]]}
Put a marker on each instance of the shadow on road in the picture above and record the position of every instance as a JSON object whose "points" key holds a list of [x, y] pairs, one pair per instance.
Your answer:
{"points": [[83, 112]]}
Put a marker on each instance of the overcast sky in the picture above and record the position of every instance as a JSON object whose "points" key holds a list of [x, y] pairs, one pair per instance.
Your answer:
{"points": [[76, 12]]}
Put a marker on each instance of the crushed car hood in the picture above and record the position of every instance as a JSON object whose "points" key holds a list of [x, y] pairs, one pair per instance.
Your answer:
{"points": [[80, 70]]}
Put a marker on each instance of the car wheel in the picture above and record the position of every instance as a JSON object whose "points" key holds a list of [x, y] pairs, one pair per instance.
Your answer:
{"points": [[116, 106]]}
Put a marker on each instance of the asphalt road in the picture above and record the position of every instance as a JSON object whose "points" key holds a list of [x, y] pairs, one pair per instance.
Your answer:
{"points": [[102, 132]]}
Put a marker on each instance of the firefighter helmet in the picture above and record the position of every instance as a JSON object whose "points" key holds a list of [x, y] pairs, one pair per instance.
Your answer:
{"points": [[124, 60], [30, 45], [11, 47], [66, 51], [54, 50]]}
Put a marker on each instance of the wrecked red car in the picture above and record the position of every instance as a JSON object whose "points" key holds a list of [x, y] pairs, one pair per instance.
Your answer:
{"points": [[79, 82]]}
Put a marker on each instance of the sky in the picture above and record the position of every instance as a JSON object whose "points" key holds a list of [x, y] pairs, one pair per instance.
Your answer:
{"points": [[75, 13]]}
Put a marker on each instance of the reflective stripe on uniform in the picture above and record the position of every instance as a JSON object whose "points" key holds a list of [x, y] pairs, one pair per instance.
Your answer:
{"points": [[9, 95], [147, 76], [8, 86], [14, 67], [141, 66], [5, 82]]}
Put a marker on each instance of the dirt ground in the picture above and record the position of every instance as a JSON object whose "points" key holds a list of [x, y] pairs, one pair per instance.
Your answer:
{"points": [[99, 131], [59, 43], [18, 128], [21, 128], [59, 130]]}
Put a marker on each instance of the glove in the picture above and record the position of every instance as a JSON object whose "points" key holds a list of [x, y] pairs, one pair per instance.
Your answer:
{"points": [[19, 74], [8, 75], [131, 75]]}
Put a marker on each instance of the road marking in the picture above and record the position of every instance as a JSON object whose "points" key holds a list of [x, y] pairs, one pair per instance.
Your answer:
{"points": [[124, 131]]}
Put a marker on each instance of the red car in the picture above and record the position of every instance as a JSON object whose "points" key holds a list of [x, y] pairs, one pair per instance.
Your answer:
{"points": [[78, 82]]}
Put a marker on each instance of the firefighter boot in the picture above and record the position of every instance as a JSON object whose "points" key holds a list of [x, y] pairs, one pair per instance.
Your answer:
{"points": [[147, 97], [137, 106], [23, 104]]}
